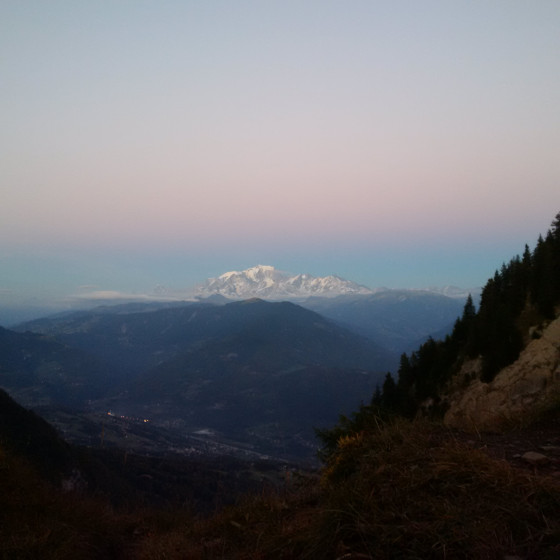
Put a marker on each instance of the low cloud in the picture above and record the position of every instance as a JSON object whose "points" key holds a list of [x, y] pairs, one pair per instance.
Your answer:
{"points": [[118, 296], [111, 295]]}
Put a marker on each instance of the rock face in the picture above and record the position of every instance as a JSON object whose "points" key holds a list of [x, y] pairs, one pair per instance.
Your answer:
{"points": [[522, 387]]}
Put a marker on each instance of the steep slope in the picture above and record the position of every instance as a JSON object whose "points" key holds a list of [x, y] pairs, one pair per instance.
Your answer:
{"points": [[37, 369], [26, 435], [518, 390], [492, 366]]}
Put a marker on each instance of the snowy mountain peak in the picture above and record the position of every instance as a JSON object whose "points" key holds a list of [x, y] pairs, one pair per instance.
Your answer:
{"points": [[254, 273], [266, 282]]}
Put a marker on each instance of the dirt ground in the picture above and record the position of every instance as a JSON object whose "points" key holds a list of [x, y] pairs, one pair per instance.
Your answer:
{"points": [[541, 438]]}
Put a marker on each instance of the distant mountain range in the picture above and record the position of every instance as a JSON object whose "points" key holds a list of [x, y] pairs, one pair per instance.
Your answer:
{"points": [[268, 283], [396, 319], [256, 372], [260, 281]]}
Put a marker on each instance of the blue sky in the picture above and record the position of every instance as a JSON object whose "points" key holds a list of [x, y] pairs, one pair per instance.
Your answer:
{"points": [[399, 144]]}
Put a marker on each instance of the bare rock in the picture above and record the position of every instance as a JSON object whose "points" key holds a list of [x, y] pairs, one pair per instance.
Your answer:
{"points": [[535, 458], [518, 389]]}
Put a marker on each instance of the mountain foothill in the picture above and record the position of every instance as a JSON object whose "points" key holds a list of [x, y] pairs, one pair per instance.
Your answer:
{"points": [[238, 372], [186, 408]]}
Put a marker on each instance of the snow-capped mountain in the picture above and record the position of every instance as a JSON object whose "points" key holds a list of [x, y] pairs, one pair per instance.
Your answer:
{"points": [[268, 283]]}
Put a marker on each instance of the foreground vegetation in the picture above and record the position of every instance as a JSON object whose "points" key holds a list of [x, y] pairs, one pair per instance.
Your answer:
{"points": [[392, 489]]}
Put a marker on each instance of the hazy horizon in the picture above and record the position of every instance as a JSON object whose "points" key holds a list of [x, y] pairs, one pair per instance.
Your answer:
{"points": [[398, 144]]}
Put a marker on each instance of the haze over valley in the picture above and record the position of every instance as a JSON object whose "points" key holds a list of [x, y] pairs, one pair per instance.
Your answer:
{"points": [[246, 375]]}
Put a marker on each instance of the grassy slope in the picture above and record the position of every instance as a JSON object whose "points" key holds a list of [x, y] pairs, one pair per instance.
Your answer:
{"points": [[409, 490], [404, 490]]}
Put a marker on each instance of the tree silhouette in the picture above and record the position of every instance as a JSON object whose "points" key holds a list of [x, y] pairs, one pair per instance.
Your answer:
{"points": [[528, 284]]}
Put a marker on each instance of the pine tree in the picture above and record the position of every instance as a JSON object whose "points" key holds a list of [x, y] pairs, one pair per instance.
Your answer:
{"points": [[543, 275], [390, 395], [406, 373]]}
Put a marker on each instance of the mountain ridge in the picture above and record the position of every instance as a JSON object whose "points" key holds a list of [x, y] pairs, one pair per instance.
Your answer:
{"points": [[250, 373], [267, 282]]}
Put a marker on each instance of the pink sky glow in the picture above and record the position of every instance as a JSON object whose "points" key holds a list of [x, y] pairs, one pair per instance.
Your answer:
{"points": [[164, 142]]}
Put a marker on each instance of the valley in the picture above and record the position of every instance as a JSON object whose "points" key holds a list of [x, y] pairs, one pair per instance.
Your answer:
{"points": [[247, 378]]}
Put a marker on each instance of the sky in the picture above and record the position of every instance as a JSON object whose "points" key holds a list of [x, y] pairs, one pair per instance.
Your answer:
{"points": [[394, 143]]}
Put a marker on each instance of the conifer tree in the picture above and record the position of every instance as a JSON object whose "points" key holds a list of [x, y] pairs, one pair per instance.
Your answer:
{"points": [[390, 397], [491, 332], [543, 275]]}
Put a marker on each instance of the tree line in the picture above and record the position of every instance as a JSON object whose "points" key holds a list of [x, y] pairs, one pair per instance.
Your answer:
{"points": [[523, 293]]}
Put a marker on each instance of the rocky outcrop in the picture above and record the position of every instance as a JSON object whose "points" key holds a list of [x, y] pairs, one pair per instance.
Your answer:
{"points": [[520, 389]]}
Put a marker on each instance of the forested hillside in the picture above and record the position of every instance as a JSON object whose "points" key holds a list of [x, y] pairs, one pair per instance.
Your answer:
{"points": [[521, 295]]}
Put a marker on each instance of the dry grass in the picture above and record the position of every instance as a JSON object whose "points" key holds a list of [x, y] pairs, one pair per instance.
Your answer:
{"points": [[415, 492], [272, 525], [39, 521], [403, 490], [407, 490]]}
